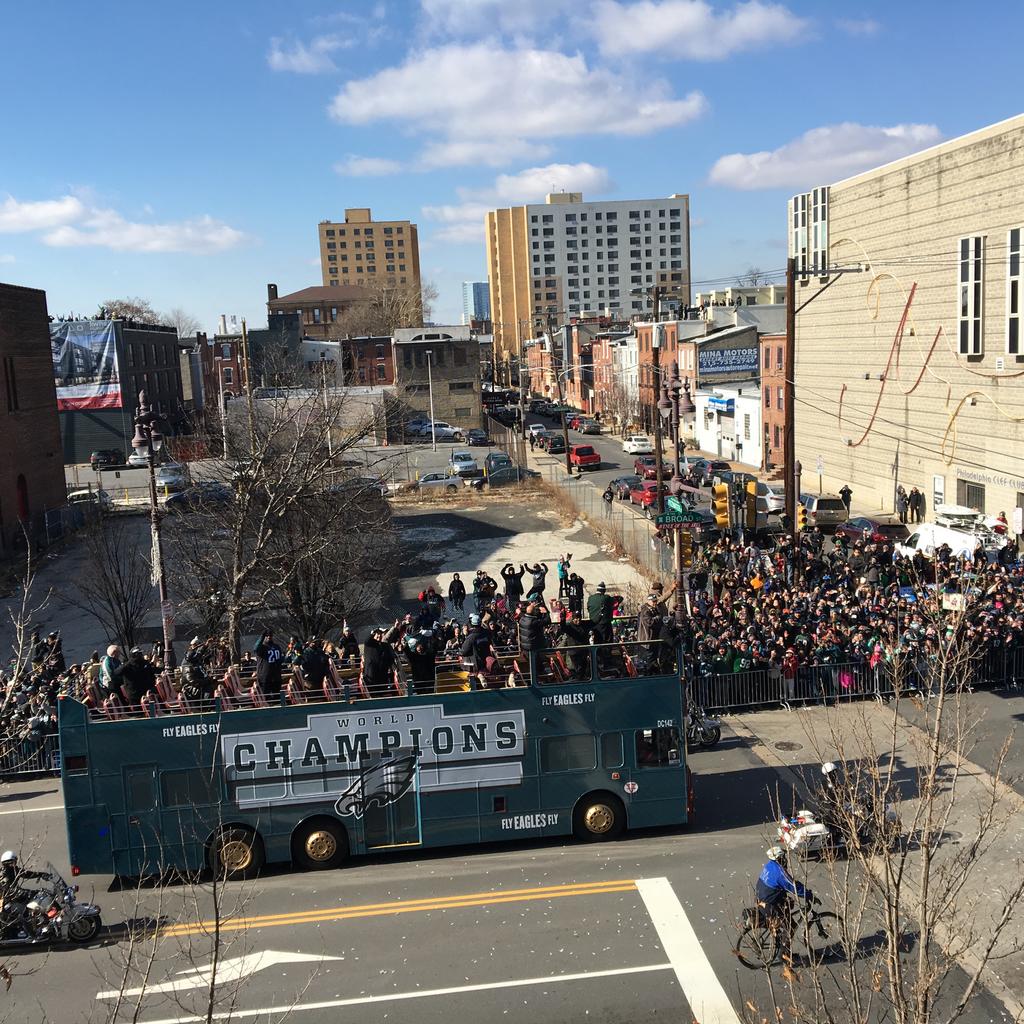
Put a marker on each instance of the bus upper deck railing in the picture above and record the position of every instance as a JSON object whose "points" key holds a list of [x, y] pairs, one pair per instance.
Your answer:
{"points": [[345, 682]]}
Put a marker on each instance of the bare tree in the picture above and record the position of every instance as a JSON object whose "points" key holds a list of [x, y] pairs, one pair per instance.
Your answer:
{"points": [[184, 322], [132, 308], [24, 613], [753, 278], [386, 308], [117, 591]]}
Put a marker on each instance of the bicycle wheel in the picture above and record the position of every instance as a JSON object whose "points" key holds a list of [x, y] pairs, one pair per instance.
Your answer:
{"points": [[821, 936], [757, 946]]}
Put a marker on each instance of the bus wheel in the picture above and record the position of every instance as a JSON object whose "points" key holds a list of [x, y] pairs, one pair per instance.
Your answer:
{"points": [[237, 853], [599, 816], [319, 845]]}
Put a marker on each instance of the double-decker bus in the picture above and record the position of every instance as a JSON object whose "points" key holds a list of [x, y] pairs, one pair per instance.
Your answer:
{"points": [[587, 744]]}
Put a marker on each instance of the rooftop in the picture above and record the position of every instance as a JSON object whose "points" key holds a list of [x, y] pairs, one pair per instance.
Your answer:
{"points": [[326, 293]]}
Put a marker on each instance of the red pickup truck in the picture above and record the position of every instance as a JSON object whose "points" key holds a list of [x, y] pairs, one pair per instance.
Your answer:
{"points": [[583, 456]]}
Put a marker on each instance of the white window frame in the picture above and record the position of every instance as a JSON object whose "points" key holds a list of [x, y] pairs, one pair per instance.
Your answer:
{"points": [[1014, 291], [970, 336]]}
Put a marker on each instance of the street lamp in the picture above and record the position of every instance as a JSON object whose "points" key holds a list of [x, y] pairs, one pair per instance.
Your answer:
{"points": [[148, 441], [430, 389]]}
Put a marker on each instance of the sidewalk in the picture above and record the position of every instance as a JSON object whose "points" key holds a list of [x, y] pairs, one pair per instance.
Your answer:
{"points": [[785, 739]]}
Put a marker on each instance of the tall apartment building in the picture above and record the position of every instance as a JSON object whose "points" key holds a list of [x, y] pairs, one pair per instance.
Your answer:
{"points": [[908, 371], [573, 258], [364, 251], [476, 301]]}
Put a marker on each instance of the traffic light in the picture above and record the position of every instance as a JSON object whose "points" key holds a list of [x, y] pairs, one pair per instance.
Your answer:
{"points": [[686, 548], [751, 504], [720, 505], [801, 516]]}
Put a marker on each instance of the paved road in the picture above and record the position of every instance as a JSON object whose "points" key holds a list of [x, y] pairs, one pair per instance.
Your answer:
{"points": [[635, 930]]}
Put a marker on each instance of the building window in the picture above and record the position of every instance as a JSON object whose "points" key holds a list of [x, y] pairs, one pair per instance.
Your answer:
{"points": [[362, 376], [334, 313], [971, 495], [767, 398], [329, 232], [778, 358], [380, 351], [778, 437], [780, 395], [381, 374], [229, 375], [972, 254], [225, 351], [1013, 293], [407, 359], [767, 358]]}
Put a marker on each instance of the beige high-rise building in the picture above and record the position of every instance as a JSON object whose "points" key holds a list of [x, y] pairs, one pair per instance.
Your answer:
{"points": [[364, 251], [908, 368], [574, 258]]}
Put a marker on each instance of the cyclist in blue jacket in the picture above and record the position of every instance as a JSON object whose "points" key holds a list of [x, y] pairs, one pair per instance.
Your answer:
{"points": [[775, 886]]}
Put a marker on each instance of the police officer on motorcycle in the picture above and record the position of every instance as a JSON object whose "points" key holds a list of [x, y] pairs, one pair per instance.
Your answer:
{"points": [[12, 893], [776, 887]]}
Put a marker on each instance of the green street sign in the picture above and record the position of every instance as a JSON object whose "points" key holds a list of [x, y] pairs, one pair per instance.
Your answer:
{"points": [[673, 504], [678, 518]]}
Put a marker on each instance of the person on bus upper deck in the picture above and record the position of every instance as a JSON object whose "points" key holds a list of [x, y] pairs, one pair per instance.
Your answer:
{"points": [[269, 663], [110, 669], [539, 572], [348, 646], [574, 595], [314, 664], [138, 677], [599, 610], [379, 659], [531, 627]]}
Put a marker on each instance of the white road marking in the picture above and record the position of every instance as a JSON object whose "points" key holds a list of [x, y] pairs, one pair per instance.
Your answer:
{"points": [[33, 810], [704, 993], [397, 996], [227, 970]]}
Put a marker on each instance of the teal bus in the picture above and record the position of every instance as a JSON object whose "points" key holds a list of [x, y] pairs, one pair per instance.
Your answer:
{"points": [[587, 744]]}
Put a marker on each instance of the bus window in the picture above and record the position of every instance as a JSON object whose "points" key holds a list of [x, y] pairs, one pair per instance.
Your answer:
{"points": [[611, 750], [141, 786], [657, 747], [190, 786], [568, 754]]}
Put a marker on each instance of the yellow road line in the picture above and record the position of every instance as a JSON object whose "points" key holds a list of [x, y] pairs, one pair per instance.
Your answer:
{"points": [[405, 907]]}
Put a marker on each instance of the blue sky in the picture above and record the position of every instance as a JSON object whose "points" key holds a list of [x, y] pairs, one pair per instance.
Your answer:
{"points": [[186, 157]]}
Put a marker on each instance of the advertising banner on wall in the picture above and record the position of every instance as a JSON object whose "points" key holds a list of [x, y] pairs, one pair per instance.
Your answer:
{"points": [[713, 362], [85, 365]]}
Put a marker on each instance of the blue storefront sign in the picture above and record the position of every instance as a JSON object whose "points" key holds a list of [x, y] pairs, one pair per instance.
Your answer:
{"points": [[726, 405], [726, 360]]}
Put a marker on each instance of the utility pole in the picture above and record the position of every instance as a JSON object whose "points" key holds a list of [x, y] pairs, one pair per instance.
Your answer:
{"points": [[430, 391], [522, 385], [248, 392], [656, 387], [789, 439], [561, 393]]}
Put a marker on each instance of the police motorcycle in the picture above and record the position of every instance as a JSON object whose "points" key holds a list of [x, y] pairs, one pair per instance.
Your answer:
{"points": [[805, 833], [52, 913], [701, 729]]}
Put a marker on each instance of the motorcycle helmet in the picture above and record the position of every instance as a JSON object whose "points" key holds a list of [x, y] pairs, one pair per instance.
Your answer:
{"points": [[776, 853], [8, 857]]}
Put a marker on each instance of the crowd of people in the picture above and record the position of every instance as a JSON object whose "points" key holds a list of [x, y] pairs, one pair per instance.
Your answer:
{"points": [[828, 615]]}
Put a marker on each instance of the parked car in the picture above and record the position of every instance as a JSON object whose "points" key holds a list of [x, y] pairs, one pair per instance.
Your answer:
{"points": [[647, 467], [536, 428], [172, 477], [138, 460], [201, 495], [638, 444], [713, 468], [496, 460], [556, 445], [444, 432], [572, 419], [589, 426], [359, 484], [734, 477], [771, 497], [876, 530], [103, 457], [93, 498], [824, 509], [646, 496], [477, 438], [414, 426], [463, 463], [622, 485], [435, 481], [583, 456], [504, 475]]}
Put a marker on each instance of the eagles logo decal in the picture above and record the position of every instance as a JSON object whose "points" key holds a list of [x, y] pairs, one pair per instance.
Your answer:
{"points": [[382, 784]]}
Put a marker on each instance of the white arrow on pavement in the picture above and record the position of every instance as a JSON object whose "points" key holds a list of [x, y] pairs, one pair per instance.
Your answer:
{"points": [[227, 970]]}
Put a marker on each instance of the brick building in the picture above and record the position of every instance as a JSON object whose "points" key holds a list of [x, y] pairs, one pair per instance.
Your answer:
{"points": [[31, 467], [362, 251], [318, 308], [454, 362], [773, 393], [100, 367]]}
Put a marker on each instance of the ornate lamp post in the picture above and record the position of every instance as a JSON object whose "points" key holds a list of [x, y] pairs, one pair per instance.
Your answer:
{"points": [[148, 441]]}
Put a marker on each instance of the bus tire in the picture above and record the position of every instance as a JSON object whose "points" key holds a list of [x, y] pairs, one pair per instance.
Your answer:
{"points": [[236, 854], [319, 844], [598, 817]]}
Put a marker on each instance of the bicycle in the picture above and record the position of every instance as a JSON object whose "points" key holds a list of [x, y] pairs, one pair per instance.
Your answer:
{"points": [[765, 937]]}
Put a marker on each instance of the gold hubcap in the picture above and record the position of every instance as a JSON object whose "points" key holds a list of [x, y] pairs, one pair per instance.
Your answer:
{"points": [[236, 854], [599, 819], [321, 845]]}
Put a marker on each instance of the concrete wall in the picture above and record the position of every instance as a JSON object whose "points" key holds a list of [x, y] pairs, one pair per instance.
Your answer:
{"points": [[878, 408]]}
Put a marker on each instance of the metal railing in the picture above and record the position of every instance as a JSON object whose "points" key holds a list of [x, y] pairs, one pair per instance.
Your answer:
{"points": [[29, 756]]}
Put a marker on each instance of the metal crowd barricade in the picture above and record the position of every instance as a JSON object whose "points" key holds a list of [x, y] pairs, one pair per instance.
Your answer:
{"points": [[29, 757]]}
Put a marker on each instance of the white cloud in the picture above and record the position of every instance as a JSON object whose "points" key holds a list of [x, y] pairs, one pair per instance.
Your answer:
{"points": [[464, 221], [485, 94], [16, 217], [69, 221], [692, 29], [822, 155], [313, 58], [367, 166], [6, 257], [859, 26], [476, 17]]}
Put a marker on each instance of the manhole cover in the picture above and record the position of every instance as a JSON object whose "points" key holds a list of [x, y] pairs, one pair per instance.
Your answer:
{"points": [[788, 745]]}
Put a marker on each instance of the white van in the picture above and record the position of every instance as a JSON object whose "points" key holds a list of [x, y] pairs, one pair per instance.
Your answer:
{"points": [[927, 537]]}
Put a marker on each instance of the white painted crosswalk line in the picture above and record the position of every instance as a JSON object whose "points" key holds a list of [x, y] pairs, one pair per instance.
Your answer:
{"points": [[704, 993]]}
